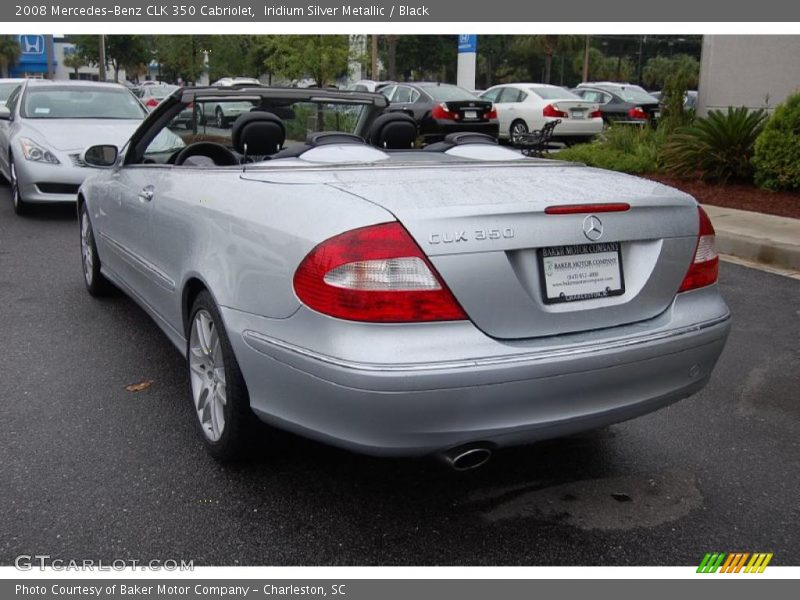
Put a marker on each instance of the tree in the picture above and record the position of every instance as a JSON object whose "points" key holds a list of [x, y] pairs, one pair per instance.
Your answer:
{"points": [[235, 56], [321, 57], [549, 45], [75, 60], [419, 57], [9, 53], [659, 69], [605, 68], [122, 51], [181, 56]]}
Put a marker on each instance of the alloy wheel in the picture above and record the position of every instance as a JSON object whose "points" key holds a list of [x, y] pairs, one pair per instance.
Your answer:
{"points": [[207, 373], [87, 251]]}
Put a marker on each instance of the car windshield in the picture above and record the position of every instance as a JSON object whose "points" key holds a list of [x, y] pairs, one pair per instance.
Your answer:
{"points": [[446, 93], [6, 89], [88, 102], [211, 120], [553, 93], [633, 93]]}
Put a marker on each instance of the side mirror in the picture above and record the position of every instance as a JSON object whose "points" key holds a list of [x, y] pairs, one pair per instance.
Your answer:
{"points": [[5, 114], [102, 156]]}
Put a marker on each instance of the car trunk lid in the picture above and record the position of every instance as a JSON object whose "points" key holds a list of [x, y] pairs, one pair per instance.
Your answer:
{"points": [[469, 110], [507, 239]]}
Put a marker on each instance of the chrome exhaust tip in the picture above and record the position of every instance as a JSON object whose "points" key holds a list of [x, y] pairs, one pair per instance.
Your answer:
{"points": [[467, 457]]}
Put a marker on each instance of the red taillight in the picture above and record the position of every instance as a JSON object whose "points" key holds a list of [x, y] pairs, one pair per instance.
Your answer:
{"points": [[637, 113], [440, 111], [595, 114], [552, 111], [152, 103], [491, 113], [376, 274], [705, 265]]}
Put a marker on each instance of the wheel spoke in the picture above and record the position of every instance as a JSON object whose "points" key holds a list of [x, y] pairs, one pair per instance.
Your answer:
{"points": [[222, 394], [214, 416], [204, 332]]}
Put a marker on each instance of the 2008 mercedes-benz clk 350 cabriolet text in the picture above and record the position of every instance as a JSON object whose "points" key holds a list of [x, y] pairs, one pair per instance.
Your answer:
{"points": [[320, 273]]}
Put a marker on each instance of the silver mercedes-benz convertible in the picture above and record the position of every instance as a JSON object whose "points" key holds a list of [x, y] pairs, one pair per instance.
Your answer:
{"points": [[322, 274]]}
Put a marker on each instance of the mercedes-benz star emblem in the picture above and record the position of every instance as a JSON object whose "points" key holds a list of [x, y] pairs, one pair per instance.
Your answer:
{"points": [[592, 228]]}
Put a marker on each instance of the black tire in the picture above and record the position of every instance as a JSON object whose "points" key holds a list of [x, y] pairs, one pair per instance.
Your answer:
{"points": [[21, 207], [518, 127], [96, 284], [239, 422], [220, 118]]}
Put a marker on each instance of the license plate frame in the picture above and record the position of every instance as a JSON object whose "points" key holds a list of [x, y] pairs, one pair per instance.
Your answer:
{"points": [[589, 277], [472, 115], [578, 113]]}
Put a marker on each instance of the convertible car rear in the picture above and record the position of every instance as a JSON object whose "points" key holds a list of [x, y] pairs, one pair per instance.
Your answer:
{"points": [[321, 274]]}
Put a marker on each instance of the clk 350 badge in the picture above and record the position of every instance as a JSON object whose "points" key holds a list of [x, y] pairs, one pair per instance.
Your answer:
{"points": [[478, 235]]}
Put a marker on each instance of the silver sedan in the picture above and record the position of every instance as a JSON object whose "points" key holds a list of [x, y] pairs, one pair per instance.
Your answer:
{"points": [[320, 274]]}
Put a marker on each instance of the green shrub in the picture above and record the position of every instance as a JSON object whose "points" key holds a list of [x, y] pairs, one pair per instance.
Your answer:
{"points": [[625, 148], [719, 147], [596, 155], [777, 152]]}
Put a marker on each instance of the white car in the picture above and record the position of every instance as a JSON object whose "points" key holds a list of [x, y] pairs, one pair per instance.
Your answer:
{"points": [[524, 107], [222, 114]]}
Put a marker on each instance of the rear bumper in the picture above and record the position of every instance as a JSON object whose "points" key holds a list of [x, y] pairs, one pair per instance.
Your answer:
{"points": [[515, 396], [578, 128]]}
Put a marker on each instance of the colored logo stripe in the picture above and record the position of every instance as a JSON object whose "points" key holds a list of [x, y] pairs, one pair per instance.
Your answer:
{"points": [[734, 562]]}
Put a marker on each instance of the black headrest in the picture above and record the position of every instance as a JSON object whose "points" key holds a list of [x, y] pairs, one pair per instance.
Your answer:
{"points": [[393, 131], [263, 133], [323, 138]]}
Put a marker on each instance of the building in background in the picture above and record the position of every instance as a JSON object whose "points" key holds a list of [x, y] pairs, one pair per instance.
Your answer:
{"points": [[33, 57], [33, 60], [756, 71]]}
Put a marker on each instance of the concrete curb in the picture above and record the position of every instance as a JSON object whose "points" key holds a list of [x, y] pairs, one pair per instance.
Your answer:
{"points": [[758, 237]]}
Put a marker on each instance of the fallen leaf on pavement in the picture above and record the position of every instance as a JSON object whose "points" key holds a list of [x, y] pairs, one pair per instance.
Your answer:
{"points": [[138, 387]]}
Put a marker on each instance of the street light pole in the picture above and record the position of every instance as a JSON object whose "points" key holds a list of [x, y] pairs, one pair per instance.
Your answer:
{"points": [[374, 69], [586, 60], [102, 58]]}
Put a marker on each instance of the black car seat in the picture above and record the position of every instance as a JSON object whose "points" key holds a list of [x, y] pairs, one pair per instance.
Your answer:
{"points": [[258, 133], [393, 131]]}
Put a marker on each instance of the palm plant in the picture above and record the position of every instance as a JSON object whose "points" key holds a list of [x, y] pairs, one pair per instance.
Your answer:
{"points": [[9, 52], [719, 147]]}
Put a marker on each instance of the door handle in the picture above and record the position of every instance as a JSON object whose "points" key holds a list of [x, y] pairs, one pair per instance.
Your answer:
{"points": [[147, 193]]}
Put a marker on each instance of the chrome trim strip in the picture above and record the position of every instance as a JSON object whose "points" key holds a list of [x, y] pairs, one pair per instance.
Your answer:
{"points": [[148, 268], [255, 339]]}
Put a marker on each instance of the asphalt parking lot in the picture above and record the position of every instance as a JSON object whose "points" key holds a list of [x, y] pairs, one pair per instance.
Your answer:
{"points": [[91, 470]]}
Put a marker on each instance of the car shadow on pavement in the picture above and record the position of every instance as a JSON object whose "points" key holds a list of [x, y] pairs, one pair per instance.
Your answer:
{"points": [[57, 211]]}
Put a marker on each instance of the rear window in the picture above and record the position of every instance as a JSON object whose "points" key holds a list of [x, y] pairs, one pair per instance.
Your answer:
{"points": [[633, 93], [161, 91], [446, 93], [85, 102], [548, 93]]}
